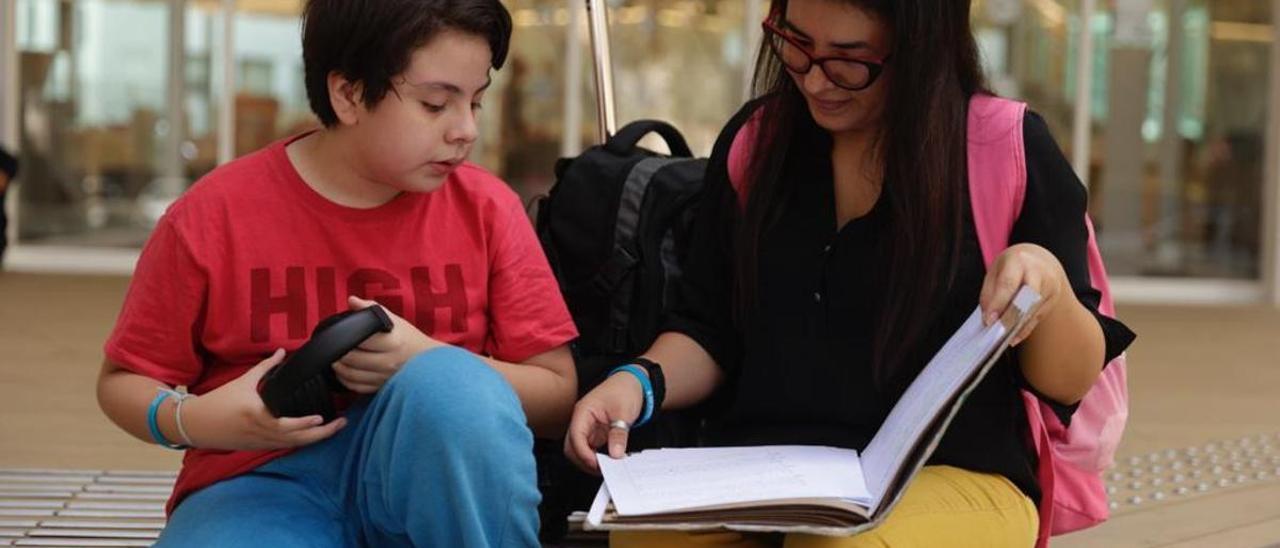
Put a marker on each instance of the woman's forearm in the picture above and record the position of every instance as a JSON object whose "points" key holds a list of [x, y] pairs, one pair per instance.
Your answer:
{"points": [[1063, 356], [689, 371]]}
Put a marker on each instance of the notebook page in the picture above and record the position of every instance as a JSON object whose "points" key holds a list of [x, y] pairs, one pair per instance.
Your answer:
{"points": [[928, 395], [668, 480], [598, 506]]}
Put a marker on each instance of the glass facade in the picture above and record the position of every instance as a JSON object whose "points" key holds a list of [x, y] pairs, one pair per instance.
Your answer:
{"points": [[1179, 107], [271, 94], [659, 48], [120, 105], [96, 130]]}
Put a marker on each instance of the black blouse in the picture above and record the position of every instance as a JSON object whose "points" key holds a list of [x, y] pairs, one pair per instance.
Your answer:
{"points": [[799, 370]]}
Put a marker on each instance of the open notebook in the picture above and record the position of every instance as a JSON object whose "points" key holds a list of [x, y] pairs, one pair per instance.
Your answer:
{"points": [[810, 489]]}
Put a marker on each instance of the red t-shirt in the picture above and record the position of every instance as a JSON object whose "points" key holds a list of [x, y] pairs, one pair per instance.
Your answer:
{"points": [[251, 258]]}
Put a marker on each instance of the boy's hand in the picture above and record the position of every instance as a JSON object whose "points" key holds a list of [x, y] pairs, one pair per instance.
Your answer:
{"points": [[368, 367], [233, 417]]}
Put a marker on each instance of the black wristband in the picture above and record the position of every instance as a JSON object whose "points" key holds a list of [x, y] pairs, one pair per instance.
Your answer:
{"points": [[659, 382]]}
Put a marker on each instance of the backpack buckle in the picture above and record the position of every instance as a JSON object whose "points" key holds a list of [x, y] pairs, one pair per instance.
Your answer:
{"points": [[621, 263]]}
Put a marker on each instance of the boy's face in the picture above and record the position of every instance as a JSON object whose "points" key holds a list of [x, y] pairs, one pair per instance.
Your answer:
{"points": [[425, 127]]}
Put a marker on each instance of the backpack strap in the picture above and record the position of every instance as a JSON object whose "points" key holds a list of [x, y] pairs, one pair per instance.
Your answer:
{"points": [[626, 250], [997, 170], [997, 187], [739, 160], [628, 138]]}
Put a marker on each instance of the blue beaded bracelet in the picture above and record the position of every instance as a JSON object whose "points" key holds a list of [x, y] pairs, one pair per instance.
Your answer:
{"points": [[645, 385], [154, 427]]}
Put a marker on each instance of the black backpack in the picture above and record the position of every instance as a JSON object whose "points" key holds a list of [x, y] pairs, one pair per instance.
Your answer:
{"points": [[615, 228]]}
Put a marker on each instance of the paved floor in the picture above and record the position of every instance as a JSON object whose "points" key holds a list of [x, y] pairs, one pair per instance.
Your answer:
{"points": [[1198, 466]]}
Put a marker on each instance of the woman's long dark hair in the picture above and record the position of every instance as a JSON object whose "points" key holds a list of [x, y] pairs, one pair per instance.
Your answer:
{"points": [[933, 72]]}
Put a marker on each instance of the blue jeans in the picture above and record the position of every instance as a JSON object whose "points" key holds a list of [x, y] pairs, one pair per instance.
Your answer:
{"points": [[441, 456]]}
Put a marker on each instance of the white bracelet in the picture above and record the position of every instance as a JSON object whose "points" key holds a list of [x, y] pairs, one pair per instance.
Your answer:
{"points": [[177, 417]]}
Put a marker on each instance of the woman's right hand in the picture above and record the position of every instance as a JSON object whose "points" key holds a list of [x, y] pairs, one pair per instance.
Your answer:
{"points": [[620, 397], [233, 417]]}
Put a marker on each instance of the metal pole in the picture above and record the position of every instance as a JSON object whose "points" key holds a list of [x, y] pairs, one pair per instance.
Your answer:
{"points": [[571, 138], [10, 72], [1168, 248], [9, 75], [1081, 129], [751, 36], [1270, 252], [599, 24], [172, 164], [227, 114]]}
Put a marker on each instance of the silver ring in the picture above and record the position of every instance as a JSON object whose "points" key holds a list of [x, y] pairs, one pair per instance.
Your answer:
{"points": [[620, 425]]}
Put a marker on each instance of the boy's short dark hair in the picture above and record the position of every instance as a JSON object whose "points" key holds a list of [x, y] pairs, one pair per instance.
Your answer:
{"points": [[371, 41]]}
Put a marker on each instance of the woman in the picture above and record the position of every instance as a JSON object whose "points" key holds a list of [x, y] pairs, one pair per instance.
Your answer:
{"points": [[852, 258]]}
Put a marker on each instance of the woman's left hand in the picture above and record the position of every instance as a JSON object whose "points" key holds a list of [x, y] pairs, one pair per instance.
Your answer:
{"points": [[1029, 265]]}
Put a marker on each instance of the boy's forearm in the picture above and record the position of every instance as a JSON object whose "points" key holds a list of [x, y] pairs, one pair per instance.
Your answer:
{"points": [[125, 396], [547, 387]]}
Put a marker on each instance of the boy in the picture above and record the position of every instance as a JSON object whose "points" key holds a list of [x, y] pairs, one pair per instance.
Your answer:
{"points": [[378, 206]]}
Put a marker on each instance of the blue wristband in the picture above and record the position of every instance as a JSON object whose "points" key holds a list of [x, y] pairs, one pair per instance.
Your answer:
{"points": [[647, 388], [154, 427]]}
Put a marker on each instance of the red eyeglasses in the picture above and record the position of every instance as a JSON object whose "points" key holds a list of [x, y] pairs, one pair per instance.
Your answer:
{"points": [[844, 72]]}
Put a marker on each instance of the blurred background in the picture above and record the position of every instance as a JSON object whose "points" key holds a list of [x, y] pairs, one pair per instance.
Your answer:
{"points": [[1163, 105], [1167, 109]]}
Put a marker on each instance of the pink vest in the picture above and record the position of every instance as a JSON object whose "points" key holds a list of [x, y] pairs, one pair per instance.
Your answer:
{"points": [[1072, 459]]}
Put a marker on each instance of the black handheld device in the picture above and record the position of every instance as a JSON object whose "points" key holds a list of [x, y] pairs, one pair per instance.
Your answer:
{"points": [[304, 383]]}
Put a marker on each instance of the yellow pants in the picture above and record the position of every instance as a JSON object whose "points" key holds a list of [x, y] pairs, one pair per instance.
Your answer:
{"points": [[943, 506]]}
